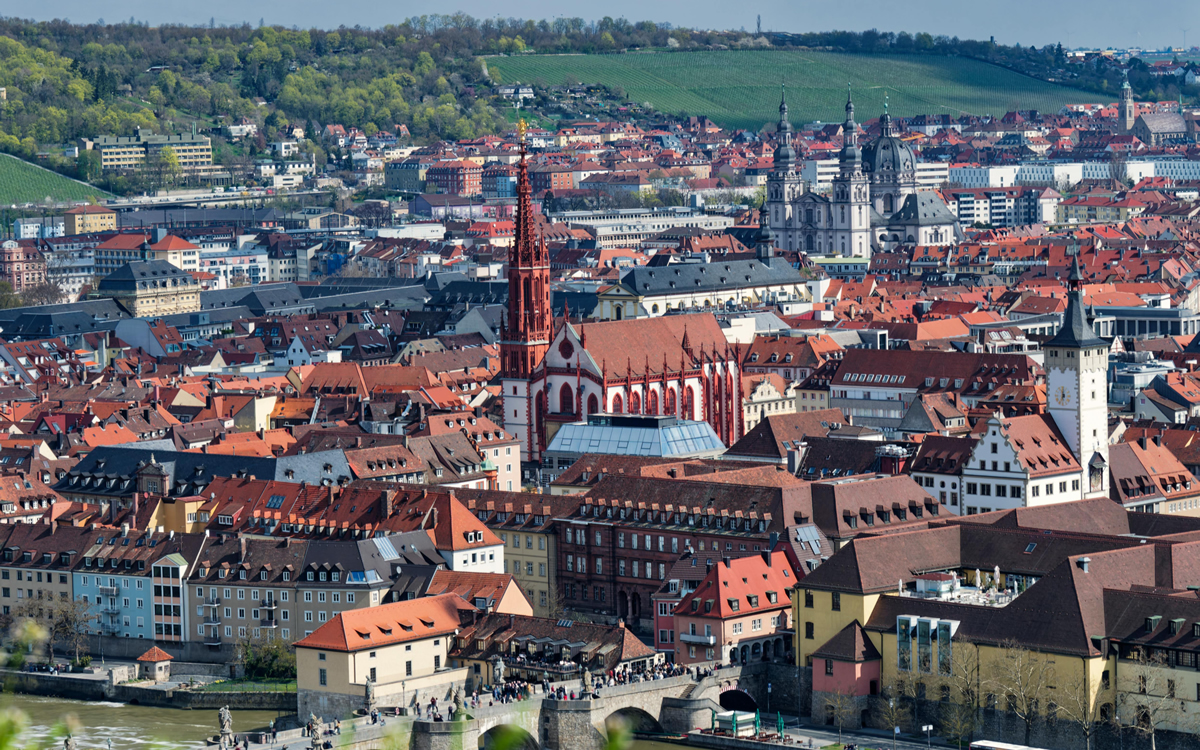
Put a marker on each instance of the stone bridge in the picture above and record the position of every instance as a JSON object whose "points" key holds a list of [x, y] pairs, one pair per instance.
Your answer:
{"points": [[671, 705]]}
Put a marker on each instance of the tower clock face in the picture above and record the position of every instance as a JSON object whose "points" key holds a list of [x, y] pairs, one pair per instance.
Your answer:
{"points": [[1062, 396]]}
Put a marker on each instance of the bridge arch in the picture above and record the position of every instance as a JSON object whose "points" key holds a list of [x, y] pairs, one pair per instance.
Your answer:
{"points": [[508, 737], [635, 718], [737, 700]]}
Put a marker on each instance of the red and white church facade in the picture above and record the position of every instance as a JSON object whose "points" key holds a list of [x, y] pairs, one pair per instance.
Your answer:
{"points": [[674, 365]]}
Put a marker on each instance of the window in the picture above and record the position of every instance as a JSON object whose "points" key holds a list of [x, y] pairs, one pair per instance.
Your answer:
{"points": [[324, 679], [829, 666], [808, 600], [808, 630], [836, 601]]}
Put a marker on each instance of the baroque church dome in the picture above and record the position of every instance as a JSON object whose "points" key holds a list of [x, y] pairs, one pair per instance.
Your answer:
{"points": [[887, 153]]}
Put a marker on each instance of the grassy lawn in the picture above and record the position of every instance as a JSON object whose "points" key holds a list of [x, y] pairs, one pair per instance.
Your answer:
{"points": [[252, 686], [740, 89]]}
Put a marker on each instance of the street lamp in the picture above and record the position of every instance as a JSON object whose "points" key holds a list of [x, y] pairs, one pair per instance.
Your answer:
{"points": [[768, 697], [927, 729], [895, 730]]}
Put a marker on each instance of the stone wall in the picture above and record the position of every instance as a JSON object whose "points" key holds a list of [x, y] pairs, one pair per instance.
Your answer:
{"points": [[685, 714], [1001, 726], [854, 719], [567, 725], [206, 671], [131, 648], [445, 735]]}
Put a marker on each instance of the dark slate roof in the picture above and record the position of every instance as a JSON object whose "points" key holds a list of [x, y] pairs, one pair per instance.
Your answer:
{"points": [[408, 297], [270, 299], [137, 273], [103, 309], [111, 470], [49, 325], [850, 644], [1075, 332], [718, 277], [923, 208], [1164, 122], [201, 216]]}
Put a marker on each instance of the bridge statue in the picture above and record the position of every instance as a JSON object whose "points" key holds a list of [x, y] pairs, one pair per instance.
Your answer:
{"points": [[225, 719], [497, 670], [370, 696], [587, 681], [456, 705], [69, 742]]}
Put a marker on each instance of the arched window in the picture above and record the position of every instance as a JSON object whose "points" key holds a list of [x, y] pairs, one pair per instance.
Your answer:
{"points": [[652, 403], [566, 400], [654, 308], [593, 404], [689, 403], [671, 399], [808, 243], [888, 204], [618, 406], [635, 403]]}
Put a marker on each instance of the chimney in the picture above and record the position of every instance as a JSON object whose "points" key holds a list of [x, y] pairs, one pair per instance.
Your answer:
{"points": [[1158, 440], [728, 562], [766, 556], [133, 520], [1142, 442], [1083, 563], [772, 540], [124, 529]]}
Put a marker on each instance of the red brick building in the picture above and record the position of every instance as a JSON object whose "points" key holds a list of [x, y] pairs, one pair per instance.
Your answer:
{"points": [[551, 177], [459, 177]]}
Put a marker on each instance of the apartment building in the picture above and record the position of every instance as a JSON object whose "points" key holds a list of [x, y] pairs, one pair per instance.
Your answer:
{"points": [[125, 153]]}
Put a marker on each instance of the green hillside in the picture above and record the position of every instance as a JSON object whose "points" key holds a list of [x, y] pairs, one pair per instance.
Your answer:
{"points": [[22, 182], [741, 88]]}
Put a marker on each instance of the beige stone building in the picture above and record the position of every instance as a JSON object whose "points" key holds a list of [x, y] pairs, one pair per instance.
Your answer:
{"points": [[401, 647], [151, 288], [89, 219]]}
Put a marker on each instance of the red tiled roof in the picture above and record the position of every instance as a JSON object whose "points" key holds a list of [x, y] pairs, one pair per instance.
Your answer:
{"points": [[371, 627], [155, 654]]}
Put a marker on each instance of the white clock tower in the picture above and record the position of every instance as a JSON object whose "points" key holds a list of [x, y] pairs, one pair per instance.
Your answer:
{"points": [[1077, 388]]}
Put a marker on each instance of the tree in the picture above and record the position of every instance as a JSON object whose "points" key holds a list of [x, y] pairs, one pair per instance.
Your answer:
{"points": [[893, 713], [269, 659], [45, 293], [1081, 704], [1023, 676], [840, 707], [1146, 698], [69, 623], [960, 717], [958, 721], [8, 298]]}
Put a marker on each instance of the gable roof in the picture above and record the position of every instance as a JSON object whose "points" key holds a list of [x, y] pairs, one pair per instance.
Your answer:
{"points": [[387, 624]]}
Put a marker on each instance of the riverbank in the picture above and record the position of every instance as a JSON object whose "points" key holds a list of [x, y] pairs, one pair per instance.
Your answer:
{"points": [[128, 727], [99, 687]]}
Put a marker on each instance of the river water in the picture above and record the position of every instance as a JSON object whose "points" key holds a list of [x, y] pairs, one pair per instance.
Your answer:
{"points": [[144, 727], [129, 727]]}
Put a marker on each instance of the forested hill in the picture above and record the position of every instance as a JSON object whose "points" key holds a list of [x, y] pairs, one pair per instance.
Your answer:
{"points": [[64, 80]]}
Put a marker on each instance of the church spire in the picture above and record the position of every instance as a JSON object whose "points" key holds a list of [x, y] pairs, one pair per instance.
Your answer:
{"points": [[885, 122]]}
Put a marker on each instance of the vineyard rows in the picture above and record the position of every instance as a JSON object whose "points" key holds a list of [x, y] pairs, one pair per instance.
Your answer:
{"points": [[22, 182], [740, 89]]}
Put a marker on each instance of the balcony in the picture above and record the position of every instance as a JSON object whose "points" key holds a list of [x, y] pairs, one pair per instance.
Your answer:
{"points": [[701, 640], [108, 590], [212, 640], [212, 601], [210, 620], [268, 604], [110, 609], [269, 623]]}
